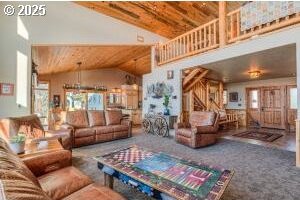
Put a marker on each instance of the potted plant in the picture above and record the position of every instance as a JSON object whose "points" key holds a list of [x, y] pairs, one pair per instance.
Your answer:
{"points": [[17, 143], [166, 104]]}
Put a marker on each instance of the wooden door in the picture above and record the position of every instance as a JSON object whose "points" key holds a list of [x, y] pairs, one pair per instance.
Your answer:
{"points": [[273, 107]]}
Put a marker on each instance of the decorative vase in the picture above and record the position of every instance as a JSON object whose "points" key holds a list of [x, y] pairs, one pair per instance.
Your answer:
{"points": [[17, 148], [167, 111]]}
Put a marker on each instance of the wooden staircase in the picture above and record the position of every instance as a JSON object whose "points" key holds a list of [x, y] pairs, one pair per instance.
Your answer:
{"points": [[196, 89]]}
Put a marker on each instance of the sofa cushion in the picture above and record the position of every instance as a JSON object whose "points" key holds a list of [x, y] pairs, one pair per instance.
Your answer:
{"points": [[120, 135], [103, 129], [63, 182], [84, 132], [201, 118], [118, 128], [77, 119], [14, 185], [96, 118], [113, 117], [82, 141], [95, 192], [10, 161]]}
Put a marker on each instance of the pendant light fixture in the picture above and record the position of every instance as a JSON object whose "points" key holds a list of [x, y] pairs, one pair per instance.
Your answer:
{"points": [[135, 85], [79, 76]]}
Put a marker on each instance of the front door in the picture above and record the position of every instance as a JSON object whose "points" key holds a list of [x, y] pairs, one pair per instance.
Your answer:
{"points": [[273, 107]]}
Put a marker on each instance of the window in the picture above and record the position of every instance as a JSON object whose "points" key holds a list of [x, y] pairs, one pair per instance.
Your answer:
{"points": [[253, 99], [225, 97], [41, 102], [95, 101], [84, 101], [293, 98]]}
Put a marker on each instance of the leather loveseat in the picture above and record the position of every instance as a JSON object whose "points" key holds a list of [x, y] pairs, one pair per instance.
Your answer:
{"points": [[48, 176], [201, 130], [90, 127]]}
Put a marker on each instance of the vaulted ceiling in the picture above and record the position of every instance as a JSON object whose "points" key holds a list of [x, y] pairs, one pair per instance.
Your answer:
{"points": [[57, 59], [169, 18]]}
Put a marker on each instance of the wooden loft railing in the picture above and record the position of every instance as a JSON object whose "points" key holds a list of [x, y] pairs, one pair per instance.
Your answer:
{"points": [[234, 32], [195, 41], [216, 33]]}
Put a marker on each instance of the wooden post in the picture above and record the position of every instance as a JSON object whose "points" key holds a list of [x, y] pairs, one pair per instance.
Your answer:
{"points": [[221, 88], [108, 181], [191, 102], [222, 23], [207, 95], [297, 143]]}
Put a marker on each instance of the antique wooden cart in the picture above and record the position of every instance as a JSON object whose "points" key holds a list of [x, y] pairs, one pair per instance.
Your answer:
{"points": [[156, 124]]}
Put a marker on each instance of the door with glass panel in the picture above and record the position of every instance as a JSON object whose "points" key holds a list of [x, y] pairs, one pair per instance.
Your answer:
{"points": [[253, 107], [291, 107]]}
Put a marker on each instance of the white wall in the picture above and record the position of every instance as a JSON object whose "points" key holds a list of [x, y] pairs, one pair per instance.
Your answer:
{"points": [[280, 38], [64, 23], [241, 89]]}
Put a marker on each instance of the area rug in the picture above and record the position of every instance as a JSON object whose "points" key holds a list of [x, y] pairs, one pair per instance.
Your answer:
{"points": [[261, 173], [259, 135]]}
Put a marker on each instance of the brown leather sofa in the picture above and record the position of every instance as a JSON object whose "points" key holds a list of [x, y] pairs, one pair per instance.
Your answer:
{"points": [[90, 127], [200, 131], [45, 177], [32, 127]]}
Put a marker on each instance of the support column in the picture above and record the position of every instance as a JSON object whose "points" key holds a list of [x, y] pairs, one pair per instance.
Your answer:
{"points": [[207, 95], [298, 105], [222, 23], [221, 88]]}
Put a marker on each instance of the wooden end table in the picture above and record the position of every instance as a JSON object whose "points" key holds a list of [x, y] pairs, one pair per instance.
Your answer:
{"points": [[37, 147]]}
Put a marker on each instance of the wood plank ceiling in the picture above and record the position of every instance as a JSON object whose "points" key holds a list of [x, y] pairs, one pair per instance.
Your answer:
{"points": [[57, 59], [168, 19]]}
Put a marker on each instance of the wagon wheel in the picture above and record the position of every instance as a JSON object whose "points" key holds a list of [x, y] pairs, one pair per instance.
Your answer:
{"points": [[146, 125], [161, 127]]}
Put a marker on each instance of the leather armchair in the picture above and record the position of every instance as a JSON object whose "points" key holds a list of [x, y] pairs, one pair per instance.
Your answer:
{"points": [[200, 131], [32, 127]]}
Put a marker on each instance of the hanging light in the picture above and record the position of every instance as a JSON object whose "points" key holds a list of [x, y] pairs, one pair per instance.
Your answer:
{"points": [[135, 85], [79, 76]]}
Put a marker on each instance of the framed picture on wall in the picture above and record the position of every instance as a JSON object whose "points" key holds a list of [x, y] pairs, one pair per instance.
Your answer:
{"points": [[170, 74], [56, 100], [233, 97], [7, 89]]}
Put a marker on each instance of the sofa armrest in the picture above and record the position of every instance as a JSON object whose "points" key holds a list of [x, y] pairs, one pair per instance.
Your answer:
{"points": [[63, 135], [66, 126], [48, 162], [181, 125], [128, 123]]}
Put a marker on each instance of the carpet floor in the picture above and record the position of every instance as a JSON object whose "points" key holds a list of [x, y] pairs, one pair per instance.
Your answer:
{"points": [[260, 172]]}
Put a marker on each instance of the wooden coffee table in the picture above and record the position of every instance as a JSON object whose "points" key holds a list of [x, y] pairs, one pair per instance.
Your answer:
{"points": [[37, 147], [164, 176]]}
